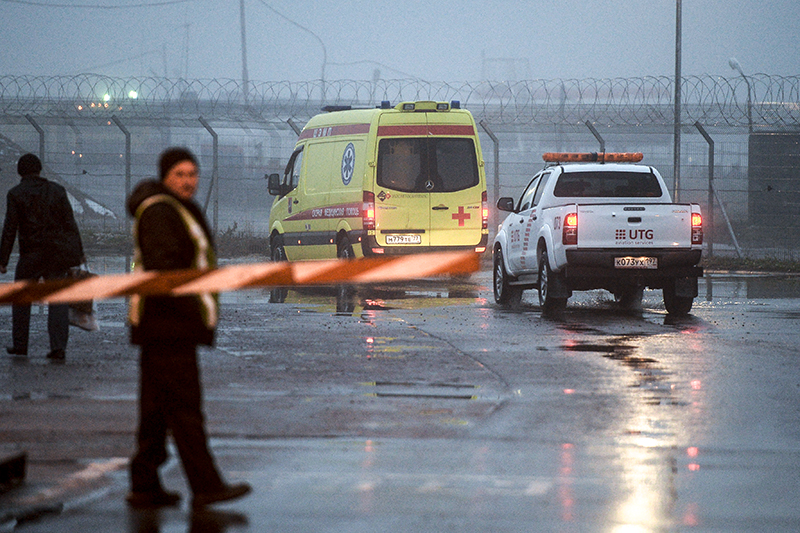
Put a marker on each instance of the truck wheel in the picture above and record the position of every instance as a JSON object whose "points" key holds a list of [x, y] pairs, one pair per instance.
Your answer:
{"points": [[676, 305], [345, 294], [278, 253], [550, 305], [504, 293], [630, 297]]}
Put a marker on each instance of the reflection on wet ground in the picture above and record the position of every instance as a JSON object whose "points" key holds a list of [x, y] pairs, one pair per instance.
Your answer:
{"points": [[201, 521]]}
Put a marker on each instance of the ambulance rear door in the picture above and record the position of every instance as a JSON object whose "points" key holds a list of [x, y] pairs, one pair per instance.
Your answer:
{"points": [[402, 204], [454, 184]]}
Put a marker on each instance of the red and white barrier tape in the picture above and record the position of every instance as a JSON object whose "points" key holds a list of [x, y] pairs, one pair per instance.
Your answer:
{"points": [[235, 277]]}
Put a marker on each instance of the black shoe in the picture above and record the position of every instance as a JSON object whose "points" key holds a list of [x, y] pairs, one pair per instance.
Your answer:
{"points": [[227, 492], [152, 500], [57, 355], [13, 350]]}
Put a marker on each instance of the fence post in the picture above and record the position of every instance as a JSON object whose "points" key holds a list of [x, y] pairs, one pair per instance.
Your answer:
{"points": [[127, 134], [597, 136], [710, 214], [41, 136], [496, 191], [712, 192], [294, 126], [214, 174]]}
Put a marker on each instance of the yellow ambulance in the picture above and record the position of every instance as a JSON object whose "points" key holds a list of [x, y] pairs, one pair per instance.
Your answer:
{"points": [[386, 180]]}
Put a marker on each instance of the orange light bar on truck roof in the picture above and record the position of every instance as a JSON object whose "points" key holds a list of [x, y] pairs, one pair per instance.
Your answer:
{"points": [[593, 157]]}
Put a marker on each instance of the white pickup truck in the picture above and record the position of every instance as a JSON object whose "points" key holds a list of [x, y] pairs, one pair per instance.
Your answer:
{"points": [[596, 221]]}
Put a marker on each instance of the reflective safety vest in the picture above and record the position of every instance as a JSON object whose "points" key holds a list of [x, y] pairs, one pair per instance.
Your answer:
{"points": [[204, 257]]}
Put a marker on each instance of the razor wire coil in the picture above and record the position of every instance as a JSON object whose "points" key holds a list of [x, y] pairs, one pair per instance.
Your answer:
{"points": [[759, 100]]}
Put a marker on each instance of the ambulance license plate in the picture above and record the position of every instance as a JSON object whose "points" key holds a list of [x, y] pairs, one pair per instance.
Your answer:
{"points": [[647, 263], [404, 239]]}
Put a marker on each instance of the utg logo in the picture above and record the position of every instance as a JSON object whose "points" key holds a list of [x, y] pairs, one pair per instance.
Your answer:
{"points": [[634, 234]]}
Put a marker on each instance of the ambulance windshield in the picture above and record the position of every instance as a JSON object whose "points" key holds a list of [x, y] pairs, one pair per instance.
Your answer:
{"points": [[432, 164]]}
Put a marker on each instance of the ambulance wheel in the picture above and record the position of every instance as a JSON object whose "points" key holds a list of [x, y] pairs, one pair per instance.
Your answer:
{"points": [[345, 294], [504, 292], [550, 305], [345, 250], [277, 254]]}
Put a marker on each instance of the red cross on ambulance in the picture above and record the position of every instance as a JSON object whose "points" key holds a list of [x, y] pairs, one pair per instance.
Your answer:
{"points": [[461, 216]]}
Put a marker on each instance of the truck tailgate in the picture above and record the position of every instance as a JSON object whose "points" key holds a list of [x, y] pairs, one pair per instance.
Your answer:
{"points": [[634, 225]]}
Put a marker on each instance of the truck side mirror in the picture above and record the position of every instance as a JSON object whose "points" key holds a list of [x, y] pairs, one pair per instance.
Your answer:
{"points": [[505, 204], [274, 184]]}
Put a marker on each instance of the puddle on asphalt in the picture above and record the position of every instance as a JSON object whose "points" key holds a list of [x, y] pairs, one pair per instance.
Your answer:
{"points": [[362, 299], [753, 286]]}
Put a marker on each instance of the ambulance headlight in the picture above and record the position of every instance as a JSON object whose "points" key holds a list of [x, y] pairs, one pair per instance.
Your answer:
{"points": [[408, 107], [442, 106]]}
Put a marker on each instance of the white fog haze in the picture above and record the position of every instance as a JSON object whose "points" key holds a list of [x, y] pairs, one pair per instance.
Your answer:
{"points": [[432, 40]]}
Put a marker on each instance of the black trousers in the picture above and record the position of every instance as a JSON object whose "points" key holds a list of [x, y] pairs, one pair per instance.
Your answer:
{"points": [[170, 399], [57, 314]]}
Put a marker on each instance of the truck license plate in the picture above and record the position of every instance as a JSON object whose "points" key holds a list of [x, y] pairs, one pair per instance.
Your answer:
{"points": [[649, 263], [404, 239]]}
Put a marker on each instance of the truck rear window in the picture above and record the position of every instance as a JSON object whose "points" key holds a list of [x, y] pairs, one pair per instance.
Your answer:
{"points": [[607, 185], [432, 164]]}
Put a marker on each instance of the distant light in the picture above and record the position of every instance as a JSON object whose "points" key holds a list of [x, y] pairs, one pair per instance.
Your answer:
{"points": [[133, 95], [106, 97]]}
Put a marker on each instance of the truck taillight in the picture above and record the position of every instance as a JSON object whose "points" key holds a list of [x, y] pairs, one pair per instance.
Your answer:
{"points": [[484, 211], [697, 228], [569, 234], [368, 211]]}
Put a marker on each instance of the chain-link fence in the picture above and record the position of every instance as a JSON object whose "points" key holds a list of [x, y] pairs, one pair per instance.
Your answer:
{"points": [[100, 136]]}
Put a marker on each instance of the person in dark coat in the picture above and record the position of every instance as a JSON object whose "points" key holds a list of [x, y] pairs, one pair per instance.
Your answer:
{"points": [[49, 245], [171, 233]]}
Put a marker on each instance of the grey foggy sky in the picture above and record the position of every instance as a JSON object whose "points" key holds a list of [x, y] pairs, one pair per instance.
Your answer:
{"points": [[433, 40]]}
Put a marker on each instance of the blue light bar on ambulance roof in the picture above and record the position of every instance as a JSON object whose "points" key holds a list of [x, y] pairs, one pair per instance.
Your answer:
{"points": [[386, 104], [455, 104]]}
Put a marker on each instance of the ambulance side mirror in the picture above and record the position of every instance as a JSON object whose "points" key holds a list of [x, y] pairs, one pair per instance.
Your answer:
{"points": [[274, 184]]}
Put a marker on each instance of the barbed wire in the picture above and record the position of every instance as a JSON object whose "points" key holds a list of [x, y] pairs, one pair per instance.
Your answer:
{"points": [[758, 101]]}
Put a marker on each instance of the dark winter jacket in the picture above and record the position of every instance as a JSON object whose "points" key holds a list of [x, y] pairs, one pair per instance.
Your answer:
{"points": [[49, 240], [165, 244]]}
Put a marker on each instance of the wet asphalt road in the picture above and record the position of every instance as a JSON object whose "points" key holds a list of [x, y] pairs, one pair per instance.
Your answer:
{"points": [[432, 409]]}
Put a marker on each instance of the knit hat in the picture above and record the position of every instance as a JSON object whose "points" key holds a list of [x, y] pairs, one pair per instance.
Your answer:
{"points": [[171, 157], [29, 165]]}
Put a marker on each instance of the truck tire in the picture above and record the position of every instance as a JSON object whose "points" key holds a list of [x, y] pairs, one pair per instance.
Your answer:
{"points": [[676, 305], [504, 293], [550, 305], [278, 253]]}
